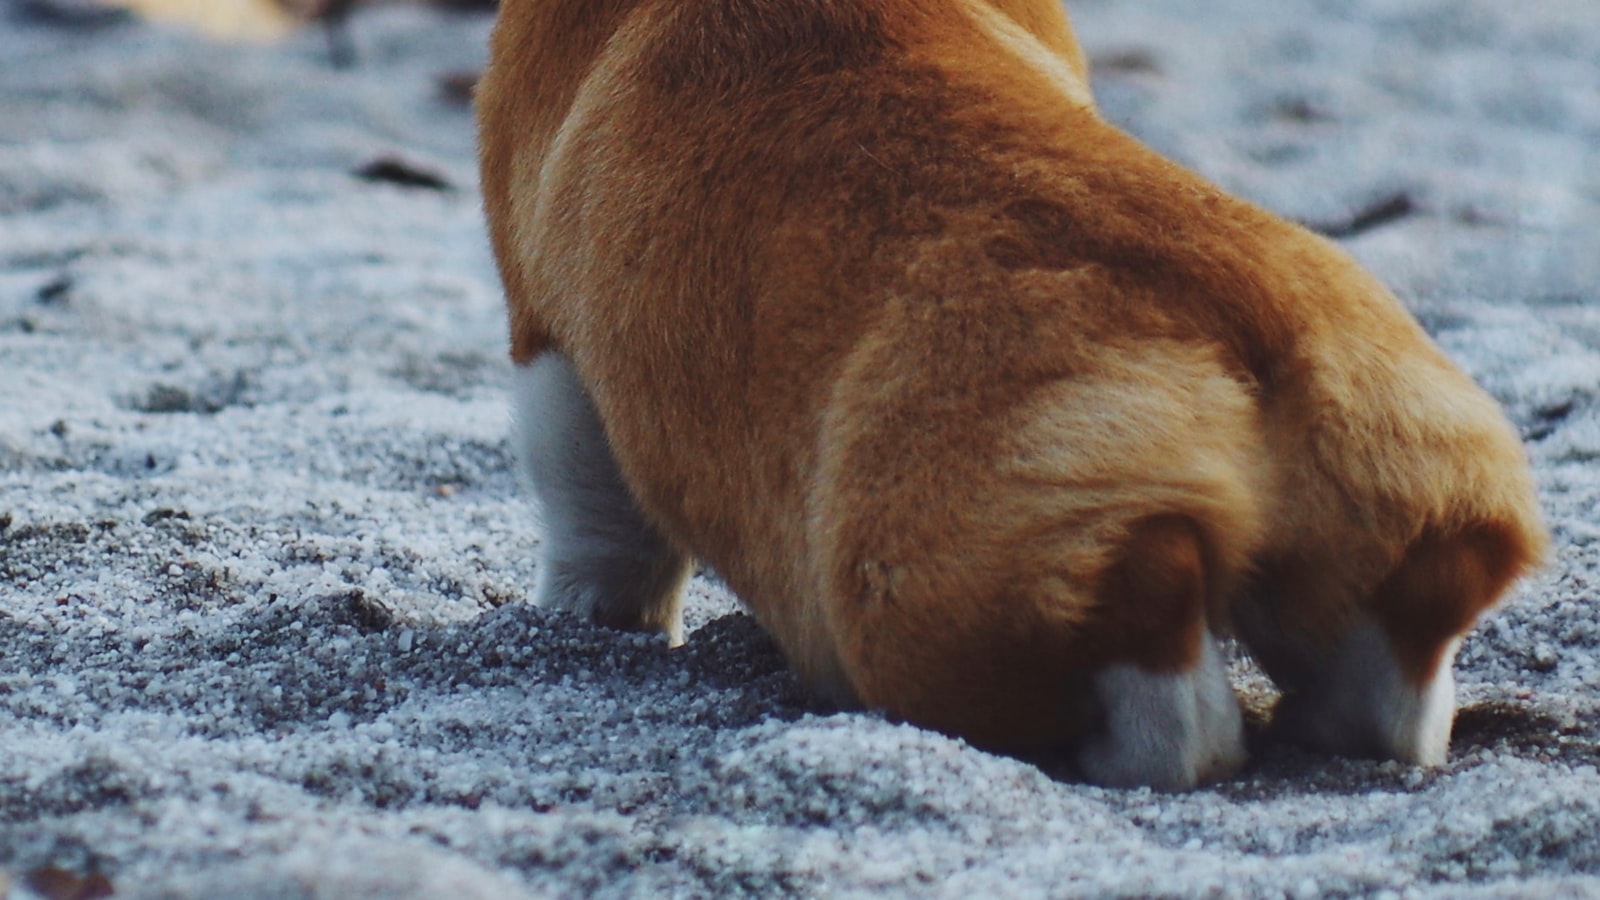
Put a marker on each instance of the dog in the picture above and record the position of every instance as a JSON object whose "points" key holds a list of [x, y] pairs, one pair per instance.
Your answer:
{"points": [[993, 417]]}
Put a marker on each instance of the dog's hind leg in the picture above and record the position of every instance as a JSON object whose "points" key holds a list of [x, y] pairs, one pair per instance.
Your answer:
{"points": [[599, 556]]}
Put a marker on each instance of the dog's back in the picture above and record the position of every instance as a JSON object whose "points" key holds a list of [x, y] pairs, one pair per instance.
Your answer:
{"points": [[990, 414]]}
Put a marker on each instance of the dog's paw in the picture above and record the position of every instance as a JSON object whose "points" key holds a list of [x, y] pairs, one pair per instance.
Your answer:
{"points": [[626, 594]]}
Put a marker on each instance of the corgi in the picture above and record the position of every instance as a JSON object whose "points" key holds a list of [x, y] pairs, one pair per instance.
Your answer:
{"points": [[994, 418]]}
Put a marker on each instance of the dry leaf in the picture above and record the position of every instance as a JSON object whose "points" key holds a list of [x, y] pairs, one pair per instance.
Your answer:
{"points": [[59, 884]]}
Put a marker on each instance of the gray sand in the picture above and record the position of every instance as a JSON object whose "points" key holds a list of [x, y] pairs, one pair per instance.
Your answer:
{"points": [[263, 562]]}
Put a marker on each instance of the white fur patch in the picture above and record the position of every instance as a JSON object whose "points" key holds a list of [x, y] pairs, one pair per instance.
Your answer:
{"points": [[599, 557], [1018, 41], [1365, 706], [1169, 731]]}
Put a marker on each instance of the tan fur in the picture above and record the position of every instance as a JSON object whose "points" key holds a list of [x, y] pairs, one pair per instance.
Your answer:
{"points": [[964, 391]]}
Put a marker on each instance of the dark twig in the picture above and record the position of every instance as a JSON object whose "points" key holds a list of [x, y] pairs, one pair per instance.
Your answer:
{"points": [[1380, 212]]}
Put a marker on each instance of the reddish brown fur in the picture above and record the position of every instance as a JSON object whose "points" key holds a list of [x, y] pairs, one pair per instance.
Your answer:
{"points": [[963, 390]]}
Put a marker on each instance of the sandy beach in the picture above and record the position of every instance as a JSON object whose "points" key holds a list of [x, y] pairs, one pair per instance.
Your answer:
{"points": [[264, 563]]}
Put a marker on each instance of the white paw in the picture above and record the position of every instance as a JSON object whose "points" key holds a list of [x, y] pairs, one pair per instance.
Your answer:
{"points": [[1365, 706], [1169, 731], [629, 594]]}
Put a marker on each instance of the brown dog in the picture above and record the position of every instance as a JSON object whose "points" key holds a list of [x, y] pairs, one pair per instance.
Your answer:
{"points": [[992, 416]]}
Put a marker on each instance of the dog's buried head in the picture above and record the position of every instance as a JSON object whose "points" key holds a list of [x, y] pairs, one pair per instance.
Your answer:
{"points": [[993, 417]]}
